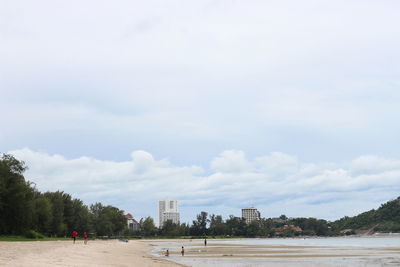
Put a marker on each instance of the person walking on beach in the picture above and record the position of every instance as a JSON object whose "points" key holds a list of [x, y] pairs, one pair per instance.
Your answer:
{"points": [[85, 237], [183, 251], [74, 234], [167, 253], [205, 242]]}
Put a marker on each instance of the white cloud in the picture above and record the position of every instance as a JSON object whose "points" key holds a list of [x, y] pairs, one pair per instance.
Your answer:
{"points": [[277, 163], [372, 164], [231, 161], [276, 183]]}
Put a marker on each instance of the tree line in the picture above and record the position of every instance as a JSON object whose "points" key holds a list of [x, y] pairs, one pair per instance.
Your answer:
{"points": [[214, 225], [26, 211]]}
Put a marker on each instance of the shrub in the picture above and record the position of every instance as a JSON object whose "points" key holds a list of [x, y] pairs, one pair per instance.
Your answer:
{"points": [[34, 235]]}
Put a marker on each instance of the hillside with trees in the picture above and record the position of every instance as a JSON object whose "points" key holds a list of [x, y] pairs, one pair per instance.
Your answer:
{"points": [[384, 219]]}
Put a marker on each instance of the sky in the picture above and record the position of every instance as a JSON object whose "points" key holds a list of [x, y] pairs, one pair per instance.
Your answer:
{"points": [[289, 106]]}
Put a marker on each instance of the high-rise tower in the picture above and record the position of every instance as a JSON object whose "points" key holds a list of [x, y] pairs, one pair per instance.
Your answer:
{"points": [[168, 210]]}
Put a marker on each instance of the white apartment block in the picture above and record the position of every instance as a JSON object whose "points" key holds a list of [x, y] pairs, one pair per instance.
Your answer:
{"points": [[168, 210], [250, 214]]}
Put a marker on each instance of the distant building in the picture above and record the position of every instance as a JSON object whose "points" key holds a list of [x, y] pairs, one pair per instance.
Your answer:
{"points": [[132, 223], [250, 214], [278, 220], [168, 210]]}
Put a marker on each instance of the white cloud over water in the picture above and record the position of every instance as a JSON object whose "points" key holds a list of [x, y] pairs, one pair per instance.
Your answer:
{"points": [[275, 183]]}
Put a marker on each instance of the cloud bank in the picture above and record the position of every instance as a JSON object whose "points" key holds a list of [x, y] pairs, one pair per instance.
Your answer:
{"points": [[200, 77], [276, 183]]}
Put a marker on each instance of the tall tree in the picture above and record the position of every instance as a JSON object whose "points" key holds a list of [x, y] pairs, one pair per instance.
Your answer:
{"points": [[217, 225], [58, 226], [199, 226], [80, 220], [16, 197], [236, 226], [147, 226], [107, 220], [42, 215]]}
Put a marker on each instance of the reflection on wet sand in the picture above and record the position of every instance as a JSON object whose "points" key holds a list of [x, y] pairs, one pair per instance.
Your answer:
{"points": [[233, 254]]}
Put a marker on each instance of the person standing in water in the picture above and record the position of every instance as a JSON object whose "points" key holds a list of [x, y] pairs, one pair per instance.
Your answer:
{"points": [[74, 234], [205, 241], [183, 251], [85, 237]]}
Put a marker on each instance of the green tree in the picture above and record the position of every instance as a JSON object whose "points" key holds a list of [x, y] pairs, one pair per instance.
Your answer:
{"points": [[236, 226], [199, 226], [16, 197], [58, 226], [147, 226], [253, 229], [107, 220], [42, 215], [80, 219], [266, 226], [169, 228], [217, 225]]}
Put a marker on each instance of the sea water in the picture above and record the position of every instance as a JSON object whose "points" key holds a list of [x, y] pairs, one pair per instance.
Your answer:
{"points": [[367, 241]]}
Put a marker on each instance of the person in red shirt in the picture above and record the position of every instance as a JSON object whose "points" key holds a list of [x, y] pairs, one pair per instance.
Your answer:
{"points": [[74, 234], [85, 237]]}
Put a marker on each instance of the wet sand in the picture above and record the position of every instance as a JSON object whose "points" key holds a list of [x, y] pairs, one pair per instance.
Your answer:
{"points": [[65, 253], [225, 254]]}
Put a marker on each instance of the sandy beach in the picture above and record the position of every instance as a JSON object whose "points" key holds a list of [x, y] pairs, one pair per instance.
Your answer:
{"points": [[65, 253]]}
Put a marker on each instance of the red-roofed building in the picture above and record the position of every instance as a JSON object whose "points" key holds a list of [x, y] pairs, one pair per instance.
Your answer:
{"points": [[132, 223], [288, 227]]}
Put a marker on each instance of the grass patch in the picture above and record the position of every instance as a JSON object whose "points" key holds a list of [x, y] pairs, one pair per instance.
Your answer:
{"points": [[23, 238]]}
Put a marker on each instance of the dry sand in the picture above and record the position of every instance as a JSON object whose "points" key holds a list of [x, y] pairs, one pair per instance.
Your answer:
{"points": [[65, 253]]}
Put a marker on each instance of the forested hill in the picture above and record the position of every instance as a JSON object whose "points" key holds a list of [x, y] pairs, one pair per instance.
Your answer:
{"points": [[384, 219]]}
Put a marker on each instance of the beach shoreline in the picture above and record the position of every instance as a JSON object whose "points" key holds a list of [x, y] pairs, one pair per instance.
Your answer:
{"points": [[328, 251]]}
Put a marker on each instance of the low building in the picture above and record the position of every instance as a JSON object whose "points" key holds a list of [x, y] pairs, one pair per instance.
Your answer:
{"points": [[132, 223], [278, 220], [251, 214]]}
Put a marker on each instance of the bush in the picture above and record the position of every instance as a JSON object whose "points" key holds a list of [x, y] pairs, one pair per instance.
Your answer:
{"points": [[34, 235]]}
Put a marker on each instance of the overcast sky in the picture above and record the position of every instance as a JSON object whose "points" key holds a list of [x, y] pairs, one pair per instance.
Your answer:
{"points": [[290, 106]]}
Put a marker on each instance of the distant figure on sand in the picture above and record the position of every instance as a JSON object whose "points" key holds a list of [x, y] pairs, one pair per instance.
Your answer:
{"points": [[205, 242], [167, 253], [85, 237], [183, 251], [74, 234]]}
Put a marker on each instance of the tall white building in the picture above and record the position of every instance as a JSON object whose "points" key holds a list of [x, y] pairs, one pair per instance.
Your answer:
{"points": [[167, 210], [250, 214]]}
